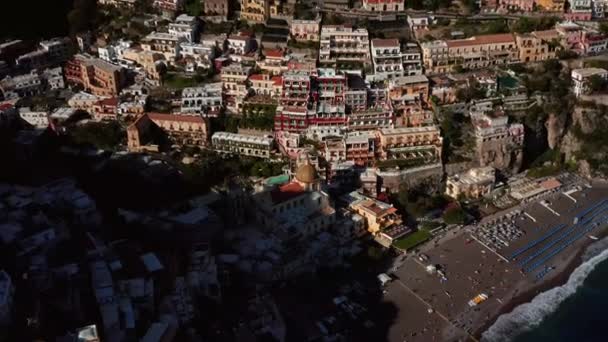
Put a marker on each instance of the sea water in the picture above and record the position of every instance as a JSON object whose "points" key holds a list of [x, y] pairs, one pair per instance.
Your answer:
{"points": [[575, 311]]}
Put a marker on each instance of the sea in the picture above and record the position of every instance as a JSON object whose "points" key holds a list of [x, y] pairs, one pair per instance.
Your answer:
{"points": [[575, 311]]}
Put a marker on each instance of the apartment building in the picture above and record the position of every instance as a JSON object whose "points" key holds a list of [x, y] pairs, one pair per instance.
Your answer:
{"points": [[331, 110], [474, 183], [360, 148], [386, 58], [383, 5], [581, 77], [499, 144], [412, 59], [274, 62], [370, 119], [417, 86], [416, 144], [255, 11], [551, 5], [378, 215], [201, 55], [234, 83], [305, 30], [594, 43], [168, 5], [266, 85], [293, 112], [185, 27], [580, 10], [243, 144], [216, 8], [344, 47], [532, 48], [517, 5], [53, 51], [164, 43], [470, 53], [95, 75], [37, 119], [13, 87], [106, 109], [185, 130], [205, 100]]}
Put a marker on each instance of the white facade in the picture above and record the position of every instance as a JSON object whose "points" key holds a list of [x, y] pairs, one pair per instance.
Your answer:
{"points": [[343, 44], [54, 78], [202, 55], [37, 119], [580, 79], [22, 85], [202, 100], [185, 26], [7, 291], [387, 58], [242, 144], [305, 29]]}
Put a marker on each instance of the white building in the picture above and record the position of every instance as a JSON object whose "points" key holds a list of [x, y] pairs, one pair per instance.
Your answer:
{"points": [[39, 120], [474, 183], [164, 43], [387, 58], [201, 55], [239, 45], [242, 144], [305, 30], [184, 26], [581, 77], [342, 45], [7, 291], [383, 5], [202, 100], [412, 59], [54, 78], [20, 86]]}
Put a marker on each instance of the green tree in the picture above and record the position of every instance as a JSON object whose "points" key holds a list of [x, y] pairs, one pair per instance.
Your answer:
{"points": [[106, 136], [454, 216], [82, 17], [596, 83], [193, 7]]}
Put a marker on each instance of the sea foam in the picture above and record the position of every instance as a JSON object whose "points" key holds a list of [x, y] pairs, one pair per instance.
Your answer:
{"points": [[529, 315]]}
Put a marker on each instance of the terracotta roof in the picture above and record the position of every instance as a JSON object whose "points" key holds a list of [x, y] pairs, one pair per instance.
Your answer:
{"points": [[550, 184], [286, 192], [273, 53], [5, 106], [258, 77], [278, 80], [385, 42], [482, 40], [176, 118], [112, 101]]}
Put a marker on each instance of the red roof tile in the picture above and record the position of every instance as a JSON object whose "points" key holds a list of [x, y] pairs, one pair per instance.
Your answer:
{"points": [[286, 192], [278, 80], [173, 117], [482, 40], [258, 77], [273, 53]]}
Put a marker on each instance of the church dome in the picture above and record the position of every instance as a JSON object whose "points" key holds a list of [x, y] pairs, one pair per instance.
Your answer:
{"points": [[306, 173]]}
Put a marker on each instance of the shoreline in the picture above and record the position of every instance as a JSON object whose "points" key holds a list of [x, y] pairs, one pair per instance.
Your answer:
{"points": [[559, 279]]}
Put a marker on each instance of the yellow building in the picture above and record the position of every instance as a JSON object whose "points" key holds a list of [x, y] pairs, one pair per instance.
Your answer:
{"points": [[256, 11], [532, 48], [378, 215], [551, 5]]}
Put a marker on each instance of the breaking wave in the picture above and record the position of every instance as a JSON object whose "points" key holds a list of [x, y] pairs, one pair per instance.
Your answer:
{"points": [[529, 315]]}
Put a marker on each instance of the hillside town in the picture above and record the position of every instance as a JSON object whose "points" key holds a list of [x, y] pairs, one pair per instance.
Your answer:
{"points": [[295, 170]]}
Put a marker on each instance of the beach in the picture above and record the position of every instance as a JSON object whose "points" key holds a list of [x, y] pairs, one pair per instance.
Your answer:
{"points": [[442, 312]]}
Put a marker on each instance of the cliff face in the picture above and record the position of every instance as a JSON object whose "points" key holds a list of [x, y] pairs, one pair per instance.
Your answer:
{"points": [[501, 155], [580, 141], [555, 126]]}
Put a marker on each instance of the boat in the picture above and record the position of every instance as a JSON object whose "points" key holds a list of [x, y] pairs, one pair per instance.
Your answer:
{"points": [[480, 298], [593, 237]]}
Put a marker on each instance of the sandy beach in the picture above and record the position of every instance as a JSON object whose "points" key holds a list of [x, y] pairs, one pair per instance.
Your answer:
{"points": [[442, 312]]}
